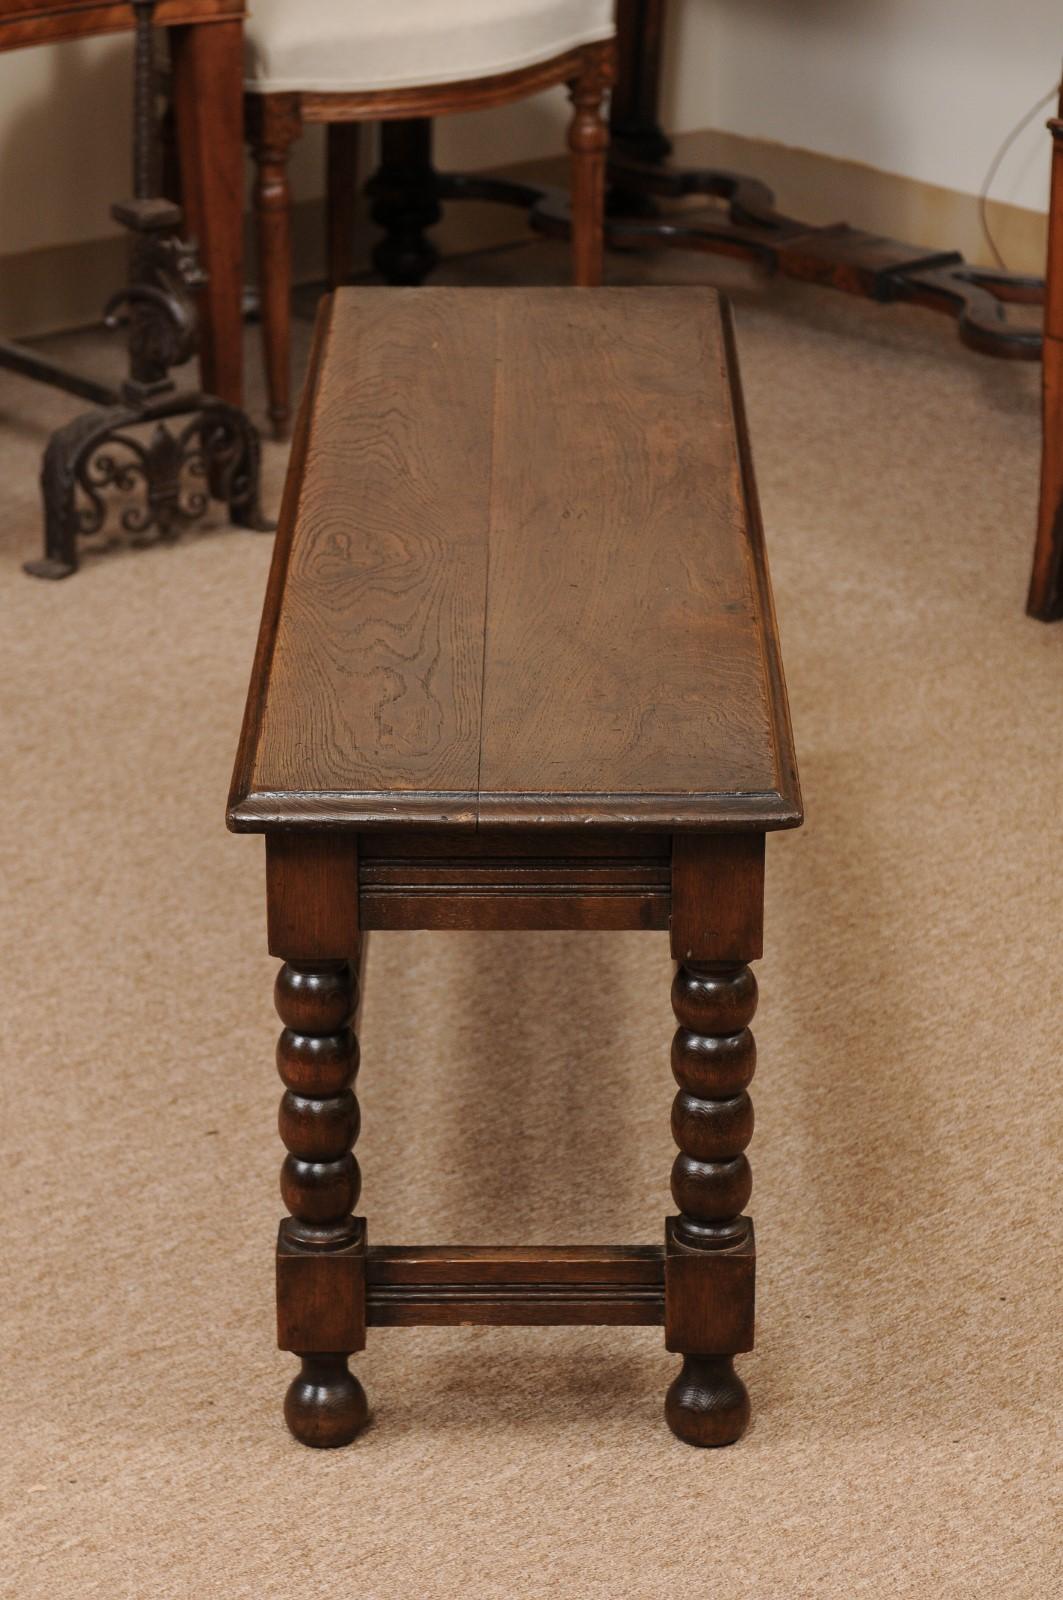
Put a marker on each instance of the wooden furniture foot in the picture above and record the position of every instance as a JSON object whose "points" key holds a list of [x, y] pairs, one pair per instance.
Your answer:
{"points": [[707, 1403], [325, 1405]]}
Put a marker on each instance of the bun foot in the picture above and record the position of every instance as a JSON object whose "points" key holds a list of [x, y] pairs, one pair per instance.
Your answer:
{"points": [[325, 1405], [707, 1403]]}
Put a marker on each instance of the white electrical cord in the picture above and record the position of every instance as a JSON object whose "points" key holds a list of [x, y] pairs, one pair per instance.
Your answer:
{"points": [[994, 168]]}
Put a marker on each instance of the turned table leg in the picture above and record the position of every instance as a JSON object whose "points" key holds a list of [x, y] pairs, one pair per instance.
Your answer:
{"points": [[717, 887], [321, 1316]]}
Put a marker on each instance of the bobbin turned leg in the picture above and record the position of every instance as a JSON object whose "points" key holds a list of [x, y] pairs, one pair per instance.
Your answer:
{"points": [[312, 900], [320, 1255], [717, 888]]}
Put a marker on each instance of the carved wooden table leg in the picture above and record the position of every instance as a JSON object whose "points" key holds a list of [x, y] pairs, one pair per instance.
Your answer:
{"points": [[709, 1268]]}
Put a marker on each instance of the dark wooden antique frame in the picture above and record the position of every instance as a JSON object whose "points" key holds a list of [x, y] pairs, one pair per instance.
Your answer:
{"points": [[406, 191]]}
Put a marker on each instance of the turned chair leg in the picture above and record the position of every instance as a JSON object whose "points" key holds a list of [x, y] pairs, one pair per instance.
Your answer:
{"points": [[274, 124], [341, 202], [318, 1317], [588, 141]]}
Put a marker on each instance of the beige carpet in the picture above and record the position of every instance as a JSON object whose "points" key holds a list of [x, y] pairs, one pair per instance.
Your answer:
{"points": [[905, 1384]]}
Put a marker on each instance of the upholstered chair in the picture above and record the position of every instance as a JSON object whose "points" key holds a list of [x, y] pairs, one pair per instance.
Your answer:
{"points": [[402, 63]]}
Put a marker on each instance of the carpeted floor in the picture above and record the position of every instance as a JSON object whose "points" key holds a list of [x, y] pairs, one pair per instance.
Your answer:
{"points": [[905, 1384]]}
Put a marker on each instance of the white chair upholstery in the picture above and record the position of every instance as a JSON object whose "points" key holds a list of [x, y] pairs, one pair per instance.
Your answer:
{"points": [[358, 46]]}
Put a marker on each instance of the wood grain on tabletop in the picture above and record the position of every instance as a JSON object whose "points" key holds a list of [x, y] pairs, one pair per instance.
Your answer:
{"points": [[518, 574]]}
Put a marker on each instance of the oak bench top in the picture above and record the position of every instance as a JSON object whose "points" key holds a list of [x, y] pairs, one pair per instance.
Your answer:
{"points": [[519, 576]]}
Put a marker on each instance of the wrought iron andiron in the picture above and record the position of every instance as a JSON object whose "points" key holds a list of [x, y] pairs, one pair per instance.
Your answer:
{"points": [[212, 454]]}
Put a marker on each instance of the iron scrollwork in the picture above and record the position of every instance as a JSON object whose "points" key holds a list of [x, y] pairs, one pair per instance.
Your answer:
{"points": [[160, 455], [171, 474]]}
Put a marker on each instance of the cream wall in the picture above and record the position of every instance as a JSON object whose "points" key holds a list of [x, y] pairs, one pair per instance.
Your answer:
{"points": [[925, 88], [65, 130], [65, 118]]}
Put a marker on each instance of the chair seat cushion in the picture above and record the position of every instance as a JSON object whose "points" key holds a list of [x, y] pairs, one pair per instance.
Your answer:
{"points": [[357, 46]]}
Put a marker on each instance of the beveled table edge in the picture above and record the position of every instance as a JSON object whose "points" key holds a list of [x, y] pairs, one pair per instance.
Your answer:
{"points": [[721, 813]]}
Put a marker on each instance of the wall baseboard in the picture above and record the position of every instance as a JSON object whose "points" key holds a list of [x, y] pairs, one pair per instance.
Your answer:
{"points": [[65, 286], [821, 189]]}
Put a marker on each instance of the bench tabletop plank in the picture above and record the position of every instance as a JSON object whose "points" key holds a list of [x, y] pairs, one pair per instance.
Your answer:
{"points": [[623, 636], [520, 574], [374, 681]]}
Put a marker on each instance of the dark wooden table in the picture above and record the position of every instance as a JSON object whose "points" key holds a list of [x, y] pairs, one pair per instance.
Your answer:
{"points": [[206, 39], [518, 669]]}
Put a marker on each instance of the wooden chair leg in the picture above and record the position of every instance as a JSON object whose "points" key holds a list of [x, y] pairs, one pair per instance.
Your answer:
{"points": [[342, 195], [588, 140], [274, 123], [1045, 599]]}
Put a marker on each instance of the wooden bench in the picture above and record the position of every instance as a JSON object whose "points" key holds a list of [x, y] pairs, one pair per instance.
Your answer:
{"points": [[518, 669]]}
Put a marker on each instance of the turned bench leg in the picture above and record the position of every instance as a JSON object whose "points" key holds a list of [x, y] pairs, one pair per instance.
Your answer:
{"points": [[312, 912], [713, 1057], [717, 891], [321, 1250]]}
